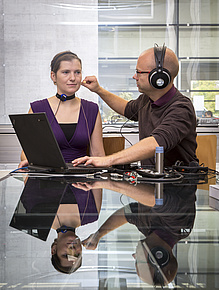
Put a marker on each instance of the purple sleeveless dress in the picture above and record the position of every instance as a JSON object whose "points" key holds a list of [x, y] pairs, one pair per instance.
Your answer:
{"points": [[41, 194], [77, 146]]}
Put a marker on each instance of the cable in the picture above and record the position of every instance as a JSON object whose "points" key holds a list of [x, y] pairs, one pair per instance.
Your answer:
{"points": [[21, 168], [122, 133], [129, 119], [176, 178], [82, 108], [56, 112], [88, 132]]}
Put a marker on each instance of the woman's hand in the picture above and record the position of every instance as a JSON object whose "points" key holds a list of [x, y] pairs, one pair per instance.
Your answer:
{"points": [[83, 186], [86, 186], [23, 163]]}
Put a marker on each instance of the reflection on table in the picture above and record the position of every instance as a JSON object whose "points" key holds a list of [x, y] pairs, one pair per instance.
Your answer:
{"points": [[104, 232]]}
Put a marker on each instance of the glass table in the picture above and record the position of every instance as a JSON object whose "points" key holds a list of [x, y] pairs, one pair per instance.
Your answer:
{"points": [[107, 233]]}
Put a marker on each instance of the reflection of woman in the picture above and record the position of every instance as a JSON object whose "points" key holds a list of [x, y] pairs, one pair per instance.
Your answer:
{"points": [[51, 202], [66, 252], [76, 122], [77, 208], [162, 225]]}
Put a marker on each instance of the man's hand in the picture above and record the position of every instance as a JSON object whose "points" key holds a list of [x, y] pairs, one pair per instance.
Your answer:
{"points": [[115, 102], [91, 242], [91, 83], [95, 161]]}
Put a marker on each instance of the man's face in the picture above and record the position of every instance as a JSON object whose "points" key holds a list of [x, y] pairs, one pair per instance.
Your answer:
{"points": [[141, 76], [143, 268]]}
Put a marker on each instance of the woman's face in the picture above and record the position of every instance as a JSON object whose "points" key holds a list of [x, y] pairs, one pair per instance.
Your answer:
{"points": [[68, 77], [68, 249]]}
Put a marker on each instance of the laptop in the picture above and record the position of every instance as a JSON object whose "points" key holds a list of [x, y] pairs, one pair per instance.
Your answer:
{"points": [[40, 145]]}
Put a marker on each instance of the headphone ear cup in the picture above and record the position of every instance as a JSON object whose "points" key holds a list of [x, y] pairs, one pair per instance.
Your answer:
{"points": [[159, 80], [161, 256]]}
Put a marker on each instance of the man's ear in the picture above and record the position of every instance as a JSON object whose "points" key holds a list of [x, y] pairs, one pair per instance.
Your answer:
{"points": [[53, 249]]}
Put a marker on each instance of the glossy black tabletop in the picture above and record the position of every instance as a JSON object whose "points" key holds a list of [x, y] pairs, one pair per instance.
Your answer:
{"points": [[103, 233]]}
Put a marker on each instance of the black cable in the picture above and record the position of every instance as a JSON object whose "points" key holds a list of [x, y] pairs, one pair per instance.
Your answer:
{"points": [[120, 131], [56, 112], [129, 119]]}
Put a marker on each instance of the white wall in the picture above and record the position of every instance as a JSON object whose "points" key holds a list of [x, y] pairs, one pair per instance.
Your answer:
{"points": [[31, 33]]}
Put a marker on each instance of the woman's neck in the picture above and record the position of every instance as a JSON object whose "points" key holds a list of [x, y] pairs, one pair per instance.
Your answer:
{"points": [[64, 97], [67, 215]]}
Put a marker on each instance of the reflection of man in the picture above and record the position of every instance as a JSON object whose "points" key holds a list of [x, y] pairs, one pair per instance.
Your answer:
{"points": [[146, 271], [166, 117], [208, 114], [154, 261], [162, 225]]}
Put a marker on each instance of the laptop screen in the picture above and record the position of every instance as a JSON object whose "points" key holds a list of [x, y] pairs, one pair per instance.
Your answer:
{"points": [[37, 140]]}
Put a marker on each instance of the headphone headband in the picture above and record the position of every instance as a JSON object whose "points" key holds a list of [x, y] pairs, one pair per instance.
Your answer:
{"points": [[159, 77], [159, 53]]}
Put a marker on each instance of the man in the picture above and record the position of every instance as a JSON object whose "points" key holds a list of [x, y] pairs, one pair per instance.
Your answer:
{"points": [[208, 114], [162, 226], [166, 117]]}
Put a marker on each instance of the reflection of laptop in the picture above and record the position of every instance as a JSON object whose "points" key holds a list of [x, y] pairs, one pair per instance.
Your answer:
{"points": [[40, 145], [37, 207]]}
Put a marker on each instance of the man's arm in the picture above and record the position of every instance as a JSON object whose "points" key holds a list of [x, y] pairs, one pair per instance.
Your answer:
{"points": [[115, 102], [116, 220], [144, 193], [144, 149]]}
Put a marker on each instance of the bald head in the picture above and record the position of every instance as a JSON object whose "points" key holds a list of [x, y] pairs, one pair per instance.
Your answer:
{"points": [[170, 61], [147, 270]]}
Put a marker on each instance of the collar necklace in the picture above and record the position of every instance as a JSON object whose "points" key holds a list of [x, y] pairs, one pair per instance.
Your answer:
{"points": [[65, 229], [64, 97]]}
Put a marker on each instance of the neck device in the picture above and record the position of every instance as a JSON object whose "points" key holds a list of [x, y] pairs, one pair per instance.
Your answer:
{"points": [[65, 229], [64, 97], [159, 78]]}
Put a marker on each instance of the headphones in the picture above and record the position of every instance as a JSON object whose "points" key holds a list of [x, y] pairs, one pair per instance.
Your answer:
{"points": [[160, 256], [159, 78], [192, 168]]}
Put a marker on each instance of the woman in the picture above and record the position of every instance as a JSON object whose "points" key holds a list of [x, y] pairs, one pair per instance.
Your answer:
{"points": [[76, 122]]}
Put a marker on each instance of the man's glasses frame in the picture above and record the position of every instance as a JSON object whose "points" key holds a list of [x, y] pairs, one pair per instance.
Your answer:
{"points": [[141, 72]]}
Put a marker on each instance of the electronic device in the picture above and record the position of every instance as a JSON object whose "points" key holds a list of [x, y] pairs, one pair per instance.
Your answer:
{"points": [[37, 207], [159, 77], [160, 255], [149, 173], [208, 122], [168, 176], [192, 168], [40, 145]]}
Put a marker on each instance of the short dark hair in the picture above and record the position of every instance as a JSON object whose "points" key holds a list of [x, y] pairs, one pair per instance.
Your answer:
{"points": [[208, 113], [63, 56]]}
